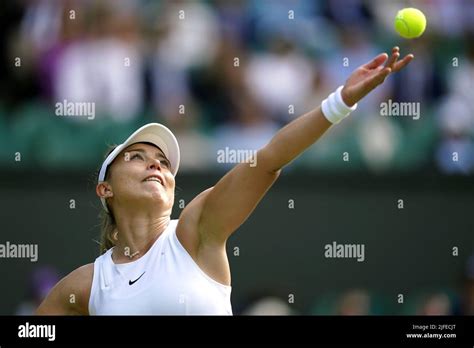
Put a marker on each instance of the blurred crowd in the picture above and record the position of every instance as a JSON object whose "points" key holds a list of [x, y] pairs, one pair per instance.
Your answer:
{"points": [[226, 73], [434, 300]]}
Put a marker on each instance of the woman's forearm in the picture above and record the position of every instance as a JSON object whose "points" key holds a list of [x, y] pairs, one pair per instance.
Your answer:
{"points": [[294, 138]]}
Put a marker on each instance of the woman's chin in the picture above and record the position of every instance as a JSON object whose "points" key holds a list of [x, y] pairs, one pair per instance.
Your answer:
{"points": [[158, 198]]}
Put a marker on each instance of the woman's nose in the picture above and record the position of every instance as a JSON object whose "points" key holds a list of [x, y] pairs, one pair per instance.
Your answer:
{"points": [[155, 164]]}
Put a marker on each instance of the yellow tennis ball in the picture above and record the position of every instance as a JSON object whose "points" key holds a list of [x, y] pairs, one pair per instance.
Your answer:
{"points": [[410, 23]]}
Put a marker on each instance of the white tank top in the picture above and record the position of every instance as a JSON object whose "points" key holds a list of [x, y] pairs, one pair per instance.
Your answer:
{"points": [[164, 281]]}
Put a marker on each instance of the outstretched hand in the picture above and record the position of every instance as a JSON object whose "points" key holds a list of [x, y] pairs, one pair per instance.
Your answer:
{"points": [[365, 78]]}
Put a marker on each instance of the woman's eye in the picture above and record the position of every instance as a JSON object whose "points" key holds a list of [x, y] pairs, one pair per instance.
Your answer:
{"points": [[137, 155], [165, 164]]}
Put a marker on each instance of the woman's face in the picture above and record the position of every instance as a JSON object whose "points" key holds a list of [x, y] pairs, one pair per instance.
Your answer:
{"points": [[141, 175]]}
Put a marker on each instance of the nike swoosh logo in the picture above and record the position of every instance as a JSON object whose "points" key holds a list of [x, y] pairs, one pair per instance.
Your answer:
{"points": [[131, 283]]}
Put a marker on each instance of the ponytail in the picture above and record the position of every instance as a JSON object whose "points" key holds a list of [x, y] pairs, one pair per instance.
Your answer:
{"points": [[108, 233]]}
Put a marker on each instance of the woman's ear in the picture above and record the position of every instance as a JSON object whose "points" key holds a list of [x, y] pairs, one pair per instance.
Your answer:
{"points": [[104, 190]]}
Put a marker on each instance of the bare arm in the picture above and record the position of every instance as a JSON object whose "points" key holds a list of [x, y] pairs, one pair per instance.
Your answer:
{"points": [[229, 203], [298, 135], [71, 295]]}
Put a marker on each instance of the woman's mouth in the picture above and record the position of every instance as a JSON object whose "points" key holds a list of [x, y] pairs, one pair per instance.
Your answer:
{"points": [[154, 178]]}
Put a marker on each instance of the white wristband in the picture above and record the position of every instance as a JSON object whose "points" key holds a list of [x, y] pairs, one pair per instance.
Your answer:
{"points": [[334, 108]]}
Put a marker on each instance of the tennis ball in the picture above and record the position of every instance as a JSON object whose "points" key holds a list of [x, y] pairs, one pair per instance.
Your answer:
{"points": [[410, 23]]}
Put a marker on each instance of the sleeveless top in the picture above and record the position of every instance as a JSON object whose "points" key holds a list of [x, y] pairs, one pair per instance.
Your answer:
{"points": [[164, 281]]}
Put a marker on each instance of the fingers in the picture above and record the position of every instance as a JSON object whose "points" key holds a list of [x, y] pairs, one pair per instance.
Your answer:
{"points": [[374, 72], [382, 75], [403, 63], [377, 78], [377, 61], [392, 63], [393, 58]]}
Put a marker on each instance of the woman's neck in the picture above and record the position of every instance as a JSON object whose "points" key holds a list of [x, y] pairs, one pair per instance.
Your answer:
{"points": [[136, 235]]}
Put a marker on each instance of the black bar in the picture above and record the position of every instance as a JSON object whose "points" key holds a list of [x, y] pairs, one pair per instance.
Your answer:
{"points": [[137, 330]]}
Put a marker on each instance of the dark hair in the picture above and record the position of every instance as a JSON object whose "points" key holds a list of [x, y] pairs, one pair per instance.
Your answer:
{"points": [[108, 226]]}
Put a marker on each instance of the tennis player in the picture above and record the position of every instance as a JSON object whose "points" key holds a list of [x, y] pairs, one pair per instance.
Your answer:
{"points": [[154, 265]]}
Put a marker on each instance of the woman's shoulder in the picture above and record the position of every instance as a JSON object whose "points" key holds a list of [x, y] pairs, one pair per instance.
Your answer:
{"points": [[82, 273], [71, 294], [79, 283]]}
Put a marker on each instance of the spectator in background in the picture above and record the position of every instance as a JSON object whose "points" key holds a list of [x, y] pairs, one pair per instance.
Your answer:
{"points": [[455, 152], [50, 52], [41, 281], [278, 78], [228, 108], [353, 302], [349, 12], [269, 306], [249, 129], [298, 21], [266, 302], [424, 77], [450, 18], [189, 37], [106, 66], [234, 20], [435, 304], [218, 85], [13, 44]]}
